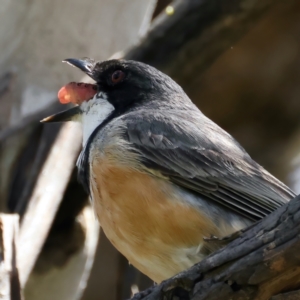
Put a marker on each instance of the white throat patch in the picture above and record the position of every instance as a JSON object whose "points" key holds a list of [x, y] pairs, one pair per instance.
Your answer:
{"points": [[95, 111]]}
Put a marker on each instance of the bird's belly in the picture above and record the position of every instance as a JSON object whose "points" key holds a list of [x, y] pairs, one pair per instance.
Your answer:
{"points": [[158, 234]]}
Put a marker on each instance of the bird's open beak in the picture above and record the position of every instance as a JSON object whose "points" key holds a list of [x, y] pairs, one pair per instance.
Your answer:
{"points": [[86, 65], [72, 114]]}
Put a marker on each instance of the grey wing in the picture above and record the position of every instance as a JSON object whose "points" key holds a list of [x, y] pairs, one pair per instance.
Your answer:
{"points": [[197, 155]]}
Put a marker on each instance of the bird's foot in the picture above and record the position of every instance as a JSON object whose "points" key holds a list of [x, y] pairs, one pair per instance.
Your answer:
{"points": [[223, 240]]}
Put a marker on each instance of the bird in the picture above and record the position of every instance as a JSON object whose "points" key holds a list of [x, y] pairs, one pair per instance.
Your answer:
{"points": [[162, 177]]}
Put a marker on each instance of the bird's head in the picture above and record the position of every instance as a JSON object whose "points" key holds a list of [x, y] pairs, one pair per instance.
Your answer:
{"points": [[120, 86]]}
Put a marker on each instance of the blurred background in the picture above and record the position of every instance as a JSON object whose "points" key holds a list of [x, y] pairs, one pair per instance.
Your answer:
{"points": [[239, 61]]}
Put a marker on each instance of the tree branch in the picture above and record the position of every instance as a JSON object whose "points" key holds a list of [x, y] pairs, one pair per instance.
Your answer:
{"points": [[262, 262]]}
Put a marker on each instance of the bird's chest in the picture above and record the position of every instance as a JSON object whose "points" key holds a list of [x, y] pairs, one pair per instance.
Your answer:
{"points": [[141, 218]]}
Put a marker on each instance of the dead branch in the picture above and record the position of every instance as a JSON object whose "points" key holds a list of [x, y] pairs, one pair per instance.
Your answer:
{"points": [[262, 262]]}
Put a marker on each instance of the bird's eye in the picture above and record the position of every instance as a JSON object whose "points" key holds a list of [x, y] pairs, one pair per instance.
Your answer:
{"points": [[117, 76]]}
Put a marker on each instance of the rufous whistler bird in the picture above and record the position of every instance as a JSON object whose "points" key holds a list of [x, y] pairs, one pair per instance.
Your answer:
{"points": [[161, 175]]}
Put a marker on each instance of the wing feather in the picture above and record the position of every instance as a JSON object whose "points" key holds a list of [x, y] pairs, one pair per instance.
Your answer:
{"points": [[197, 155]]}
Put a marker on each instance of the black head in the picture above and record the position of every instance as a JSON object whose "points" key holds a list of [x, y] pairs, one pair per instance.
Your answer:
{"points": [[127, 85], [128, 82]]}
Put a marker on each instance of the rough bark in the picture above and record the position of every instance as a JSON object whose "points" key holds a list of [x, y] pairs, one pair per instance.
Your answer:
{"points": [[262, 262]]}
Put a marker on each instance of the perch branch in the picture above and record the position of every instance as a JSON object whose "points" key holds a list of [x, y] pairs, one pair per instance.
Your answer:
{"points": [[264, 261]]}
